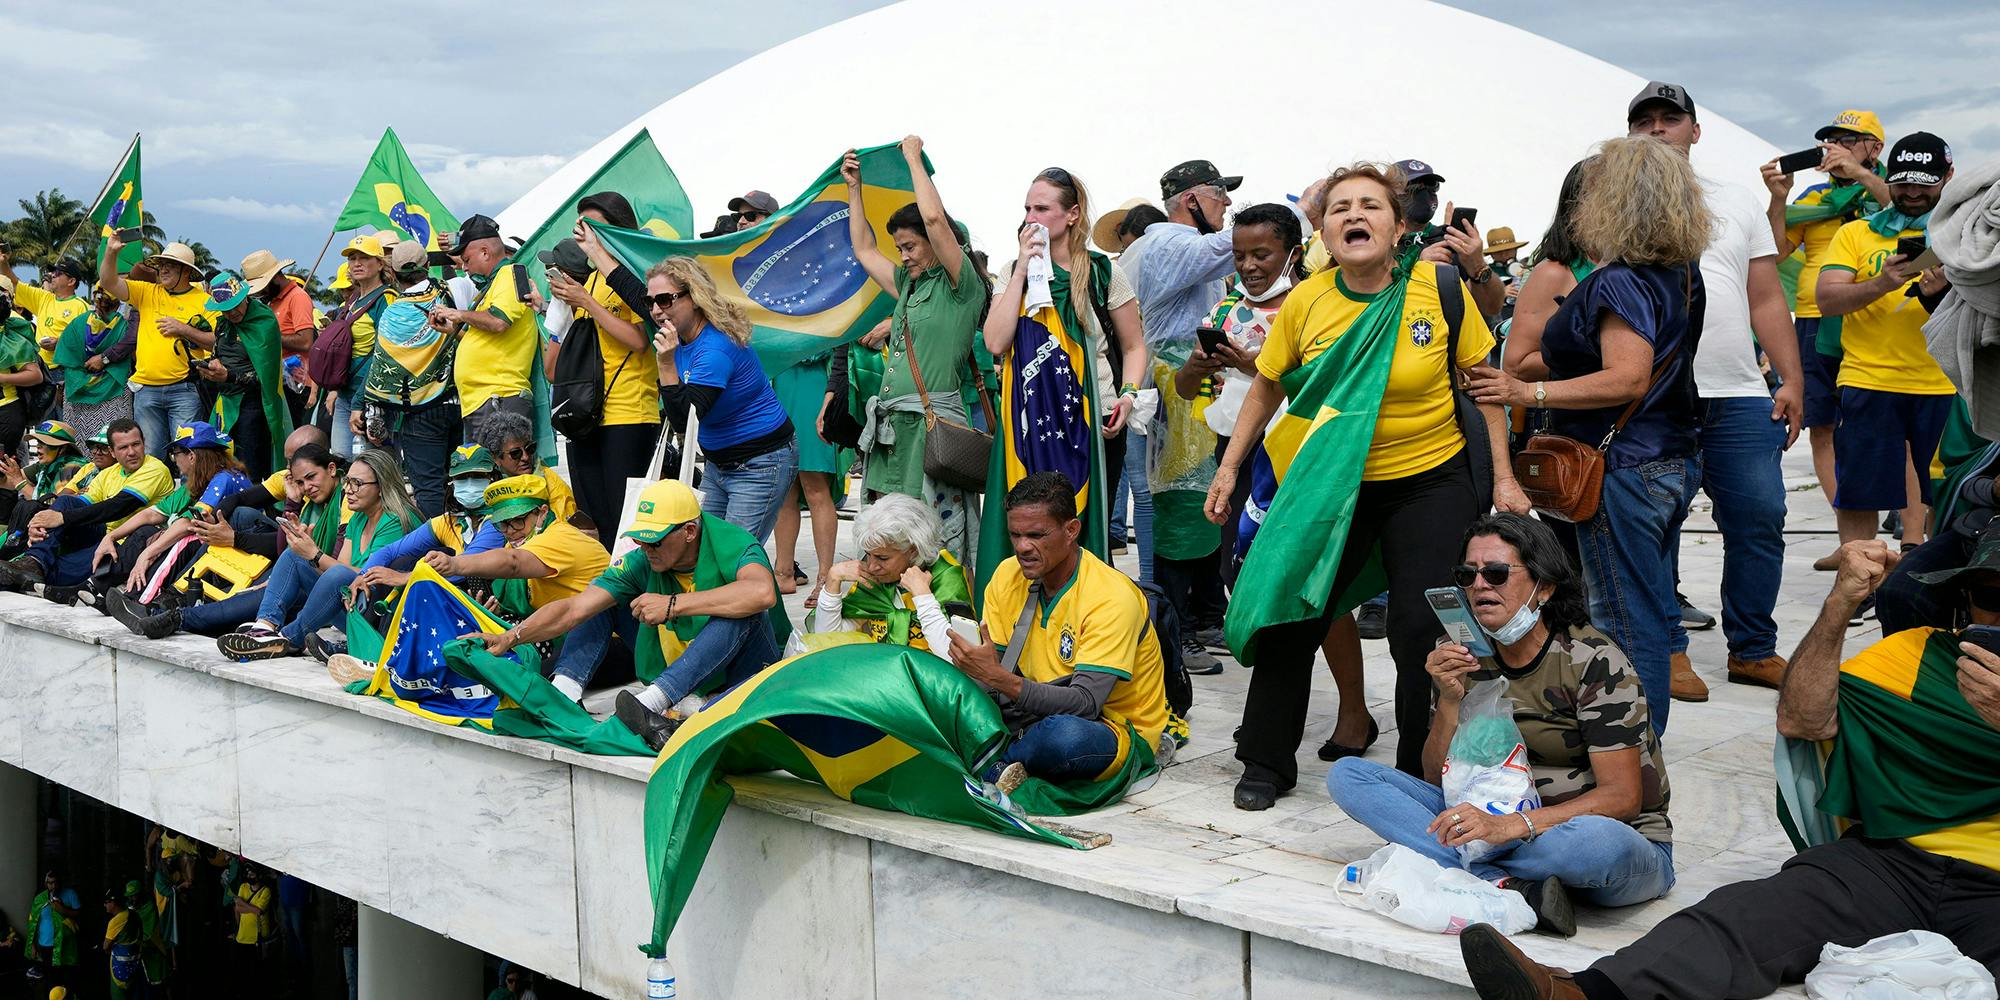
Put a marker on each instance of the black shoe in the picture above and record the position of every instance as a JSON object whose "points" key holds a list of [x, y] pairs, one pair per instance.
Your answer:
{"points": [[1196, 658], [1892, 523], [1692, 618], [1372, 620], [322, 649], [799, 576], [1253, 795], [644, 723], [65, 595], [1212, 638], [260, 645], [1864, 611], [20, 574], [1550, 901], [126, 610], [158, 626], [1331, 751]]}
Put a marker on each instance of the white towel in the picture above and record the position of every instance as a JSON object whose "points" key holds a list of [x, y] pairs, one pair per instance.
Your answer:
{"points": [[1964, 334], [1040, 272]]}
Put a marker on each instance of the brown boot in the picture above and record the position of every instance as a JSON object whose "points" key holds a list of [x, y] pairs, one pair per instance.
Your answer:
{"points": [[1768, 672], [1500, 972], [1683, 684]]}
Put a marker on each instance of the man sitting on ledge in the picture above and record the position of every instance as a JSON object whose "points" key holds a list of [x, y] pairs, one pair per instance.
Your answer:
{"points": [[704, 597], [1079, 658], [63, 539], [1914, 724]]}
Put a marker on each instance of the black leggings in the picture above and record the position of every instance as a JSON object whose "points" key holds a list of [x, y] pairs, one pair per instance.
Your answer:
{"points": [[13, 426], [1419, 522], [599, 464]]}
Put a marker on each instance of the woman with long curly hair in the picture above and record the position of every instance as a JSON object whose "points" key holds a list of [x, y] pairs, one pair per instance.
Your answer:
{"points": [[1625, 339], [706, 362]]}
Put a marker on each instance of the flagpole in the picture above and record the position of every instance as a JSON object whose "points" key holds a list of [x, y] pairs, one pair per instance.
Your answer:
{"points": [[322, 251], [99, 200]]}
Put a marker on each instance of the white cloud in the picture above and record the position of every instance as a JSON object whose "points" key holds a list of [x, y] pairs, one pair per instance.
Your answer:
{"points": [[483, 182], [252, 210], [67, 145]]}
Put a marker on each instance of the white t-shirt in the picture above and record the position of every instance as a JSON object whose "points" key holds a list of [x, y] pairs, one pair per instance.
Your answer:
{"points": [[1725, 363]]}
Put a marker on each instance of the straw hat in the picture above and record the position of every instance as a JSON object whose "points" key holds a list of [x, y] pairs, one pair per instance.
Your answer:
{"points": [[260, 267], [1104, 232], [179, 253]]}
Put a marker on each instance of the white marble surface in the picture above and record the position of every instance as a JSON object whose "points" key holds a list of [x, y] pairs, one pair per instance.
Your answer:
{"points": [[1281, 970], [178, 747], [62, 695]]}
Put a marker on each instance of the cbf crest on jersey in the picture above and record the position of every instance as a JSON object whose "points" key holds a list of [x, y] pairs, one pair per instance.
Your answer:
{"points": [[1066, 645], [1420, 332]]}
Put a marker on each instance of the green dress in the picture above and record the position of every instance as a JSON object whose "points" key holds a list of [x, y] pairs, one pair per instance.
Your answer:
{"points": [[940, 320], [802, 390]]}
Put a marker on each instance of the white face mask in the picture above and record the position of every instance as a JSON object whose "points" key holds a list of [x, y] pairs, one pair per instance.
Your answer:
{"points": [[1520, 625], [1278, 287]]}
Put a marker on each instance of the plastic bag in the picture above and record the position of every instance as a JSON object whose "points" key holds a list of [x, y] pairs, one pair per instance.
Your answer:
{"points": [[1912, 965], [1487, 765], [1412, 889]]}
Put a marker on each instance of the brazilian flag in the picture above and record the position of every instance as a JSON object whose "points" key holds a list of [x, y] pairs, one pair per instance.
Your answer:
{"points": [[122, 206], [638, 172], [794, 273], [392, 195]]}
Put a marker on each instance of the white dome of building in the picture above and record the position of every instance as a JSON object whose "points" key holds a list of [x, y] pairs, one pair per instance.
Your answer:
{"points": [[1501, 113]]}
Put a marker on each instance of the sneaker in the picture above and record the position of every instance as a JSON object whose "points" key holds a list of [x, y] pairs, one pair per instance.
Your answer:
{"points": [[1372, 620], [1862, 612], [346, 669], [1682, 682], [1550, 901], [1196, 658], [260, 645], [20, 574], [1768, 672], [65, 595], [323, 649], [1692, 618], [1212, 638]]}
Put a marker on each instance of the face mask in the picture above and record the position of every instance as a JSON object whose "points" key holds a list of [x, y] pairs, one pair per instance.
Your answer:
{"points": [[1423, 203], [470, 493], [1278, 287], [1521, 624], [1201, 223]]}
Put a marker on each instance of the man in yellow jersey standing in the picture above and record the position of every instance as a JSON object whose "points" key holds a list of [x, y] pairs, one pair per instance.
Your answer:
{"points": [[164, 394], [54, 303], [501, 340]]}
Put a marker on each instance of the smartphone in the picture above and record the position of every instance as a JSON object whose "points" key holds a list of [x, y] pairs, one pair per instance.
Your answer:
{"points": [[131, 236], [965, 628], [1912, 247], [1984, 636], [1211, 338], [1804, 159], [438, 258], [1462, 217], [1455, 614]]}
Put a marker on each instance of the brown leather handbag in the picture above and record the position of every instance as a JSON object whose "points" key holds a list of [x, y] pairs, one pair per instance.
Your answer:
{"points": [[954, 454]]}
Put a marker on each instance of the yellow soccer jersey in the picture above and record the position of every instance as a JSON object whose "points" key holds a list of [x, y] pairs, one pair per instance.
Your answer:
{"points": [[1882, 342]]}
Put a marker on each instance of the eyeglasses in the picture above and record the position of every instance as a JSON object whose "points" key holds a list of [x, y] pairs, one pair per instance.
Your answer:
{"points": [[665, 300], [519, 454], [1495, 573], [355, 484], [1849, 141], [516, 523]]}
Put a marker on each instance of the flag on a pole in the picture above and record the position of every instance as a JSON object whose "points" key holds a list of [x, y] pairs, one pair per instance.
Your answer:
{"points": [[119, 206], [795, 272], [392, 195], [642, 175]]}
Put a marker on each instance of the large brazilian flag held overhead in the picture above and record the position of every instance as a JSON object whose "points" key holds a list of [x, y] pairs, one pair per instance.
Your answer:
{"points": [[795, 272], [638, 172], [392, 195]]}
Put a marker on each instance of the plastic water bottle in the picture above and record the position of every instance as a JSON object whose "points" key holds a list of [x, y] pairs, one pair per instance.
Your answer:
{"points": [[660, 979], [1356, 876]]}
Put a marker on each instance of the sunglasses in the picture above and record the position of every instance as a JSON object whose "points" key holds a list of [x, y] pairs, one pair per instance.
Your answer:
{"points": [[355, 484], [1495, 573], [1057, 175], [753, 217], [1985, 598], [518, 453], [665, 300]]}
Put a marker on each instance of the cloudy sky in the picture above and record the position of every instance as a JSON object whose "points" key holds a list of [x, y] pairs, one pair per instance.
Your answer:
{"points": [[258, 143]]}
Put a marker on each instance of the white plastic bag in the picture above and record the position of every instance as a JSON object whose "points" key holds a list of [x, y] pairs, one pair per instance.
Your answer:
{"points": [[1912, 965], [1412, 889], [1487, 765]]}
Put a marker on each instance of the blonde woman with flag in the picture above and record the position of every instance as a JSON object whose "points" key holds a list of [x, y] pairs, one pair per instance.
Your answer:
{"points": [[1040, 330], [1373, 473]]}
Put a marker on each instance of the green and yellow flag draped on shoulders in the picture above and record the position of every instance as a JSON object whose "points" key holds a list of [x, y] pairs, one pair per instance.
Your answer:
{"points": [[1317, 450], [890, 613], [85, 336], [258, 329]]}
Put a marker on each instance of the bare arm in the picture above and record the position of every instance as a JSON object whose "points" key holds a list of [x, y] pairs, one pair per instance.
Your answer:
{"points": [[1131, 340], [1809, 696], [937, 225], [31, 375], [753, 590], [1489, 296], [558, 617], [1771, 321], [860, 233], [1437, 746], [109, 281], [1005, 315], [1628, 368], [505, 563], [1547, 283], [1839, 293], [1618, 794]]}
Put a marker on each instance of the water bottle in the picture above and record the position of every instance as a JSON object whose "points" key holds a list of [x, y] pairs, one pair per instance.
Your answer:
{"points": [[1356, 876], [660, 979]]}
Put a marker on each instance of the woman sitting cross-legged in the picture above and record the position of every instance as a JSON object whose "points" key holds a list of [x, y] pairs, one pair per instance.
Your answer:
{"points": [[308, 585], [1602, 831], [903, 578]]}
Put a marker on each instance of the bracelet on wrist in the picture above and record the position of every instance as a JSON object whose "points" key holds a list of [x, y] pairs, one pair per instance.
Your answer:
{"points": [[1532, 832]]}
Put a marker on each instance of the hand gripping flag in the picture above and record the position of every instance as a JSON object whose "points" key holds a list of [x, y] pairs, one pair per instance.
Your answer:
{"points": [[638, 172], [120, 206], [392, 195], [795, 272], [411, 670]]}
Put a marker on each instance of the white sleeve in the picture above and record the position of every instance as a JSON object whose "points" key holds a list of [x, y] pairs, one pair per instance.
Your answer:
{"points": [[1119, 291], [936, 625], [826, 616], [1757, 224]]}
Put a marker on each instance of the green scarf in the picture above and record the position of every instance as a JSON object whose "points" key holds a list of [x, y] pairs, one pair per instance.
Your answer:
{"points": [[719, 554], [258, 330], [63, 952], [1907, 766], [17, 343], [1842, 201], [81, 385], [884, 602], [1320, 446], [45, 478], [324, 519], [1891, 222]]}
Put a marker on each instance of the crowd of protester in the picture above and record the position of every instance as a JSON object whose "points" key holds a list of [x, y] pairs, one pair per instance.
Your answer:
{"points": [[1651, 321]]}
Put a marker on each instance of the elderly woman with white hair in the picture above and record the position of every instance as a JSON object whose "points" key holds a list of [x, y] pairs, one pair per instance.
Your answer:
{"points": [[904, 577]]}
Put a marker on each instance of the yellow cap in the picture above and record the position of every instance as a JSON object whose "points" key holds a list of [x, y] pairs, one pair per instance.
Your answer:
{"points": [[340, 279], [515, 495], [367, 246], [59, 993], [1853, 120], [663, 506]]}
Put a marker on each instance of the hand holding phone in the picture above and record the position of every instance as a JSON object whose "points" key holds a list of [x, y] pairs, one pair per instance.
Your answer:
{"points": [[1211, 338], [1462, 217], [130, 236], [1804, 159], [1455, 614]]}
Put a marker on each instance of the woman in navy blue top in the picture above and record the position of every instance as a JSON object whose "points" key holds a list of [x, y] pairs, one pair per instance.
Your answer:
{"points": [[706, 362], [1628, 332]]}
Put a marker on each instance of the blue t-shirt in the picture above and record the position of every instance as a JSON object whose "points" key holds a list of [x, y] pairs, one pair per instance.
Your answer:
{"points": [[45, 930], [1658, 303], [748, 407]]}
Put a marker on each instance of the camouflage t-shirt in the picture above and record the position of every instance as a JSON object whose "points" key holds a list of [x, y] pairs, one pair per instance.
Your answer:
{"points": [[1582, 696]]}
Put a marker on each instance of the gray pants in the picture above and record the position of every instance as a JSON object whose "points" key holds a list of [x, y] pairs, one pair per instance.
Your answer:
{"points": [[1746, 939]]}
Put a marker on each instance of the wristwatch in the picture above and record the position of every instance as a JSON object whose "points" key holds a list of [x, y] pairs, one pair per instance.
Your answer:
{"points": [[1485, 275], [1541, 393]]}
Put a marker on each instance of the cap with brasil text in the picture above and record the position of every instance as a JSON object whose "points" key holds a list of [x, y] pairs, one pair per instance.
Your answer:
{"points": [[515, 495], [1919, 158], [1852, 120], [1654, 90], [663, 506]]}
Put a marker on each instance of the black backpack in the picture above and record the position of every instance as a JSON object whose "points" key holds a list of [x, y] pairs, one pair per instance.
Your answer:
{"points": [[1167, 629], [576, 387]]}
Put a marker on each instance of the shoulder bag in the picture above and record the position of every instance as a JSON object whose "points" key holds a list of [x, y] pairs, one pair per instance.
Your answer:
{"points": [[954, 453]]}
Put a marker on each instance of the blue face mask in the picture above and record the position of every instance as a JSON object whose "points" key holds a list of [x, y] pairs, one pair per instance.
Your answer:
{"points": [[1520, 625], [470, 493]]}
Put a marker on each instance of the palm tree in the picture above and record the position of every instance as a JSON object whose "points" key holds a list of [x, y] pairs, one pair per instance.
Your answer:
{"points": [[48, 220], [203, 259], [150, 234]]}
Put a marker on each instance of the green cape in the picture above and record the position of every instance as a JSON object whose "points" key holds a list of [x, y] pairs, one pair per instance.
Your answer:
{"points": [[80, 384], [259, 332]]}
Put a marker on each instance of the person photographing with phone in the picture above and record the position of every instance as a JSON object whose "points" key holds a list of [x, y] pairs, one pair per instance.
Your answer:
{"points": [[164, 390], [1910, 735]]}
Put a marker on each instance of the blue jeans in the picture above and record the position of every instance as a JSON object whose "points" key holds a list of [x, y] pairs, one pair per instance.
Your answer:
{"points": [[423, 440], [343, 432], [749, 493], [161, 409], [1628, 563], [1740, 449], [1062, 748], [218, 617], [1133, 479], [738, 647], [65, 553], [1602, 861], [583, 650], [302, 600]]}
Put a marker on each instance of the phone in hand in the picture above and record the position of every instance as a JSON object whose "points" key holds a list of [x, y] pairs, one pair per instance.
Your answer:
{"points": [[1986, 637], [131, 236], [1804, 159], [1455, 614], [1911, 247], [1462, 217], [1211, 339]]}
